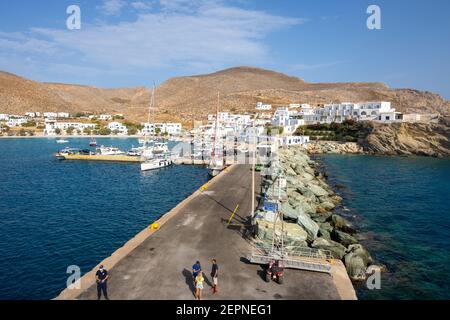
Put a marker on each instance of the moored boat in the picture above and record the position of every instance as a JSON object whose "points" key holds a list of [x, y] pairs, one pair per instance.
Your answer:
{"points": [[102, 154], [156, 163], [93, 142]]}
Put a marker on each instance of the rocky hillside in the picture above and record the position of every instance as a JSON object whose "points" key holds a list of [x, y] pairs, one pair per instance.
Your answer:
{"points": [[188, 98], [409, 139]]}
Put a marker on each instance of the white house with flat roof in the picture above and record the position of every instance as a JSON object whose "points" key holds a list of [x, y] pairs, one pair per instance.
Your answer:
{"points": [[52, 125], [63, 115], [118, 127], [262, 106], [290, 120], [16, 121], [30, 114], [170, 128], [51, 115], [4, 116], [105, 117], [293, 140], [339, 112]]}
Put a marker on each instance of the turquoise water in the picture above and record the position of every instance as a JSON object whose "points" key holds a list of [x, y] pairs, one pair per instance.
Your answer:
{"points": [[54, 214], [401, 206]]}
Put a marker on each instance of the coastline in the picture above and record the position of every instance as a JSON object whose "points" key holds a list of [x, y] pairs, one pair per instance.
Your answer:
{"points": [[311, 213], [70, 137]]}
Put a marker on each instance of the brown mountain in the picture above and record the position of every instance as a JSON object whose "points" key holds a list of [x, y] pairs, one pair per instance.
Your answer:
{"points": [[188, 98]]}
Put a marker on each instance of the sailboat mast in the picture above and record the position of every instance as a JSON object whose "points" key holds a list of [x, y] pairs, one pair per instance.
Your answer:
{"points": [[152, 102], [215, 129]]}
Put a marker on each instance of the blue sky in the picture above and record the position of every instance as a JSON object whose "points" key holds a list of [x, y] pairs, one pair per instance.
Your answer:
{"points": [[133, 43]]}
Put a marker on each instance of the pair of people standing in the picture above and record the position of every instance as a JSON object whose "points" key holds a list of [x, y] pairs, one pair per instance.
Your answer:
{"points": [[197, 274]]}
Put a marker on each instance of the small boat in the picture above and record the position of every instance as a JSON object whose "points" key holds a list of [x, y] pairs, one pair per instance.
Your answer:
{"points": [[156, 163], [93, 142], [214, 168], [134, 152], [62, 141]]}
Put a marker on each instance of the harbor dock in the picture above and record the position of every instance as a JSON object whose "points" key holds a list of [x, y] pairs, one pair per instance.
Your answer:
{"points": [[98, 157], [157, 263]]}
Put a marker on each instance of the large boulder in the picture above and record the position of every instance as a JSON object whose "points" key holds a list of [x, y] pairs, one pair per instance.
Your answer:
{"points": [[356, 261], [343, 238], [321, 215], [318, 191], [337, 250], [311, 227], [293, 234], [342, 224], [327, 205], [325, 230], [289, 212]]}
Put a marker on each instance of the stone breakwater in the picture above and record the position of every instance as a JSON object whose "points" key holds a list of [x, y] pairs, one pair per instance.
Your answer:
{"points": [[332, 147], [309, 213]]}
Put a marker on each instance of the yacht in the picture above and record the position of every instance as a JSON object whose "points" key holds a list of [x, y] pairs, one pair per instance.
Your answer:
{"points": [[156, 163], [62, 141]]}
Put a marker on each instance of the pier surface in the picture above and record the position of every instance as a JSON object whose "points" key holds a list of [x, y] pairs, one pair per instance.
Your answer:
{"points": [[158, 266]]}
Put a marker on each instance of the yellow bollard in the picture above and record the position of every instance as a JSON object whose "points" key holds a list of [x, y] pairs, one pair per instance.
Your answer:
{"points": [[154, 226], [204, 187]]}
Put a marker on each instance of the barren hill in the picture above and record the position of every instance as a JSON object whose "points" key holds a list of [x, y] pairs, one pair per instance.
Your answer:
{"points": [[188, 98]]}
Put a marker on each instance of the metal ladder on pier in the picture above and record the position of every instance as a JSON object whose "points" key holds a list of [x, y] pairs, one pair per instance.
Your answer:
{"points": [[300, 258]]}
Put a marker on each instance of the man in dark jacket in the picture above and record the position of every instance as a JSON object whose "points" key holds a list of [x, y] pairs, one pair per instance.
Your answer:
{"points": [[101, 277]]}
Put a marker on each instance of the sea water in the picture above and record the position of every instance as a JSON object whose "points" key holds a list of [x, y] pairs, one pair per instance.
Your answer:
{"points": [[54, 214], [401, 207]]}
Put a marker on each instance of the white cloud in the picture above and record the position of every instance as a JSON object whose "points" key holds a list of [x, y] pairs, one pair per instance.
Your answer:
{"points": [[141, 5], [112, 7], [211, 35]]}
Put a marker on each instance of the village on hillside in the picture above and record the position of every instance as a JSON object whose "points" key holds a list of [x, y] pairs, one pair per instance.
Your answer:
{"points": [[294, 122]]}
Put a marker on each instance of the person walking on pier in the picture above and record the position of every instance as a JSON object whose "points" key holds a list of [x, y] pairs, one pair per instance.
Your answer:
{"points": [[102, 278], [199, 285], [196, 269], [215, 276]]}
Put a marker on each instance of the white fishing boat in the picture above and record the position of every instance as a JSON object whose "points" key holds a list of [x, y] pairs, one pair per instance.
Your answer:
{"points": [[93, 142], [156, 163], [62, 141]]}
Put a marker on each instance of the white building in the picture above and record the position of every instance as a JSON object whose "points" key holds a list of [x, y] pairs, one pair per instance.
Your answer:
{"points": [[63, 115], [169, 128], [261, 106], [4, 116], [16, 121], [52, 125], [105, 117], [339, 112], [294, 140], [50, 115], [30, 114], [118, 127], [290, 120]]}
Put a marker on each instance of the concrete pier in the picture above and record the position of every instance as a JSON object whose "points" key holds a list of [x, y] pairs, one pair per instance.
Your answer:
{"points": [[157, 264]]}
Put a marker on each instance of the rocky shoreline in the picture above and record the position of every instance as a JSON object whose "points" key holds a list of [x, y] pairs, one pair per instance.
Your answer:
{"points": [[309, 212], [332, 147]]}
